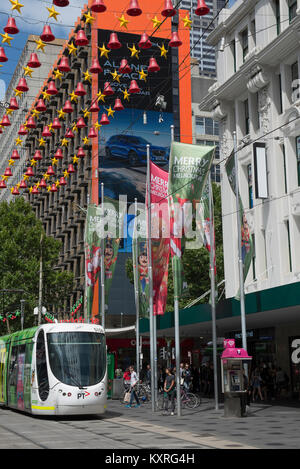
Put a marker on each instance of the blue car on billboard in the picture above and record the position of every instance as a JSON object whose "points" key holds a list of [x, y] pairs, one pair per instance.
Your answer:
{"points": [[135, 150]]}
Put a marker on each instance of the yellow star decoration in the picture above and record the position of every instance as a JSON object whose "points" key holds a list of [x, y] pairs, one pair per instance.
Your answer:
{"points": [[57, 183], [16, 5], [75, 159], [30, 189], [4, 178], [87, 76], [48, 188], [72, 49], [163, 51], [11, 162], [33, 162], [58, 75], [134, 51], [25, 177], [126, 94], [156, 22], [110, 111], [64, 142], [89, 19], [75, 128], [143, 75], [187, 22], [86, 112], [54, 161], [50, 127], [18, 185], [9, 112], [18, 92], [73, 96], [28, 71], [116, 76], [42, 142], [46, 176], [37, 185], [53, 13], [123, 22], [12, 189], [101, 96], [35, 113], [86, 140], [61, 114], [104, 51], [40, 45], [6, 38], [18, 141], [46, 96], [66, 174], [97, 125]]}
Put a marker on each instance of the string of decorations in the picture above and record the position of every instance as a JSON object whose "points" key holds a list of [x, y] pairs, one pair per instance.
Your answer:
{"points": [[9, 316]]}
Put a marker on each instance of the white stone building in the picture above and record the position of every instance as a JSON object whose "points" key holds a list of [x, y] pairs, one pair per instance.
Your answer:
{"points": [[257, 94]]}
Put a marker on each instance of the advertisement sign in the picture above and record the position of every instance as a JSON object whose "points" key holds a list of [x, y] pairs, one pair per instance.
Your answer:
{"points": [[294, 349]]}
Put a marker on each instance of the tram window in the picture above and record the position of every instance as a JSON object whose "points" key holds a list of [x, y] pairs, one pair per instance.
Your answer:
{"points": [[41, 367], [13, 366]]}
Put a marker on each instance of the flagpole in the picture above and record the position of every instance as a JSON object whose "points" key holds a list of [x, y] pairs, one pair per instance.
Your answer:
{"points": [[136, 291], [102, 261], [213, 291], [151, 322], [177, 335], [239, 227]]}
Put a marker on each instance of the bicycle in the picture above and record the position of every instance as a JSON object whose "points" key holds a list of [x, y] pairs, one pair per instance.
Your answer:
{"points": [[188, 399]]}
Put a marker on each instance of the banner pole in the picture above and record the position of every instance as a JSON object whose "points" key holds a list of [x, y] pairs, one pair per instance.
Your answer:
{"points": [[151, 321], [177, 334], [136, 292], [102, 261], [213, 291], [240, 258]]}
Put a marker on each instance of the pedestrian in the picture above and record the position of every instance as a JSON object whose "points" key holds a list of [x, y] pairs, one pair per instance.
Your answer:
{"points": [[148, 375], [169, 391], [187, 377], [256, 385], [181, 373], [133, 383], [126, 379], [161, 380]]}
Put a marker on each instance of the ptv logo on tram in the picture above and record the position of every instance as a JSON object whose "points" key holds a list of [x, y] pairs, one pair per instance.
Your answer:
{"points": [[82, 395]]}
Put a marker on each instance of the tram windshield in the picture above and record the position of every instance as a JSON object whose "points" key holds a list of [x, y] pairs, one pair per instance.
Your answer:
{"points": [[77, 358]]}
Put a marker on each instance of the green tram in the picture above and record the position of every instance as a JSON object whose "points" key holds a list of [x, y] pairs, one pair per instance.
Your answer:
{"points": [[54, 369]]}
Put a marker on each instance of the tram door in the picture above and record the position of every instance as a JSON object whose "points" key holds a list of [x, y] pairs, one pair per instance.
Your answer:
{"points": [[41, 367]]}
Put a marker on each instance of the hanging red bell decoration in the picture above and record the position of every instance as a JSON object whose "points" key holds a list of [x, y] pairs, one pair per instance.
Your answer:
{"points": [[96, 67], [118, 105], [50, 171], [107, 90], [47, 35], [8, 172], [69, 134], [43, 183], [41, 107], [23, 184], [94, 107], [81, 39], [133, 88], [56, 124], [134, 9], [202, 9], [59, 154], [37, 156], [98, 6], [5, 121], [15, 155], [53, 188], [145, 42], [169, 10], [13, 104], [3, 57], [11, 27], [62, 181], [114, 42], [29, 171], [175, 41], [15, 191], [81, 124], [31, 123], [81, 153], [124, 67], [22, 130], [22, 85], [104, 119], [153, 65], [46, 132], [80, 91], [35, 190], [68, 107], [2, 185], [92, 133], [64, 64], [61, 3], [52, 88], [34, 61], [71, 169]]}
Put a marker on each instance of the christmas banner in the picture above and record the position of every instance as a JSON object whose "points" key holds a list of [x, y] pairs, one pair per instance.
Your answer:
{"points": [[246, 239], [92, 254], [189, 167], [140, 269]]}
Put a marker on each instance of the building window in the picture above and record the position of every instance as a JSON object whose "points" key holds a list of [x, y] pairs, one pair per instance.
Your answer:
{"points": [[298, 158], [284, 169], [277, 15], [295, 76], [211, 143], [244, 42], [280, 94], [250, 185], [253, 31], [233, 51], [206, 126], [247, 119], [253, 257], [287, 223], [292, 9]]}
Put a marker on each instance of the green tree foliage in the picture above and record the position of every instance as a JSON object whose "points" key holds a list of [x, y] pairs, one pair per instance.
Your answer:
{"points": [[21, 238], [196, 263]]}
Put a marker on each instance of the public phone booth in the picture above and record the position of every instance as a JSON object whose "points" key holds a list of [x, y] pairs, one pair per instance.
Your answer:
{"points": [[234, 387]]}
